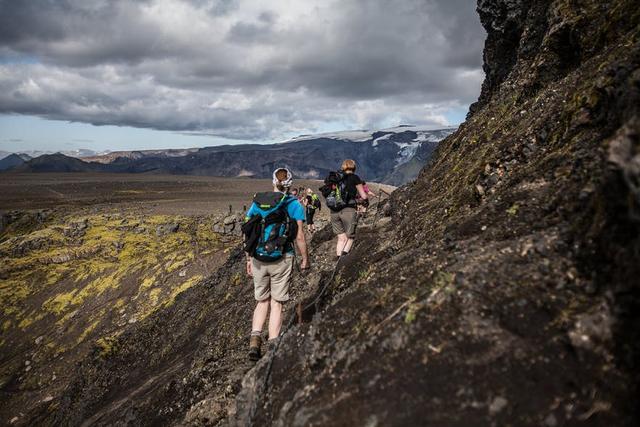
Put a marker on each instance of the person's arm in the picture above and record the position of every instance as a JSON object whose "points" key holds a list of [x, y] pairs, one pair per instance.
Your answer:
{"points": [[301, 243], [361, 192], [249, 270]]}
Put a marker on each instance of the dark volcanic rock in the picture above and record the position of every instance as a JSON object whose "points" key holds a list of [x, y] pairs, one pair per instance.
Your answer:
{"points": [[163, 230]]}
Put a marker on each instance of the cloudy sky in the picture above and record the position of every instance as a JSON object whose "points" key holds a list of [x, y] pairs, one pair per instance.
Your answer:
{"points": [[115, 74]]}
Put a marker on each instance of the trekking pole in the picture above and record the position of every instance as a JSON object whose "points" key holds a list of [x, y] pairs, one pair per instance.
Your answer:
{"points": [[375, 218]]}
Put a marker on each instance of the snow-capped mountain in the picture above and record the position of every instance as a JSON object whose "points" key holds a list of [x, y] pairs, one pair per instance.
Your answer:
{"points": [[392, 156], [423, 133], [409, 146]]}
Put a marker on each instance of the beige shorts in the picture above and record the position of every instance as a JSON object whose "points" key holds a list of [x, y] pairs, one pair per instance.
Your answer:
{"points": [[272, 279], [345, 222]]}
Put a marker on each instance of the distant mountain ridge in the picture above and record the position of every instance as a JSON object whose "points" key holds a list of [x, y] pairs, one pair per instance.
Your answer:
{"points": [[59, 163], [11, 161], [79, 153], [111, 156], [393, 156]]}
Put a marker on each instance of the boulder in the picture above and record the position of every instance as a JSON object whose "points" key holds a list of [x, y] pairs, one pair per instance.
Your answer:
{"points": [[163, 230], [231, 219]]}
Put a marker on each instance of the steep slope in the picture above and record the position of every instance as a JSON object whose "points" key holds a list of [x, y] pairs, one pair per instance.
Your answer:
{"points": [[512, 264], [503, 290], [72, 279]]}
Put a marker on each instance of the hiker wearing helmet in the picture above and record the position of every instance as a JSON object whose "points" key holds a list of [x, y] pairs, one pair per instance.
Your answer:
{"points": [[340, 191], [272, 224]]}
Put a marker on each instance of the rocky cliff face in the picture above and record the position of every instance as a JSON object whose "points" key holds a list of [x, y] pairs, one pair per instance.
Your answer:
{"points": [[502, 289]]}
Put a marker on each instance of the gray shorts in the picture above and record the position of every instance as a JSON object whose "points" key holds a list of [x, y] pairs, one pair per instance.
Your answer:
{"points": [[272, 279], [345, 222]]}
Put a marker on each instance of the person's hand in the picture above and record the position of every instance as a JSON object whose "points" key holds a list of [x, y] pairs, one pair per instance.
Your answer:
{"points": [[249, 271], [304, 265]]}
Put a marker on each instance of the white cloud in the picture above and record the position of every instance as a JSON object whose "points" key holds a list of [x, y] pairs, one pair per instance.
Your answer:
{"points": [[240, 69]]}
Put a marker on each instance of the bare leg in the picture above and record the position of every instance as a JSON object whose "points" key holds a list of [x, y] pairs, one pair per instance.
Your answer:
{"points": [[347, 247], [260, 315], [341, 245], [275, 319]]}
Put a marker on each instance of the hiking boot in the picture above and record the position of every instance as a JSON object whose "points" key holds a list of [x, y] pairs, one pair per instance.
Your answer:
{"points": [[254, 348]]}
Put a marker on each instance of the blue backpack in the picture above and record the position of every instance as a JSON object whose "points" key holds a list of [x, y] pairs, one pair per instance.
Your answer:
{"points": [[268, 234]]}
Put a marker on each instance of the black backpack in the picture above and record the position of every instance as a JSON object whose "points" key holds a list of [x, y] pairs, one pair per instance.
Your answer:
{"points": [[269, 233], [335, 192]]}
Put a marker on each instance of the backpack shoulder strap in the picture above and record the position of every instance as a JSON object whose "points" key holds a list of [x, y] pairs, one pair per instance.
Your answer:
{"points": [[286, 202], [246, 214]]}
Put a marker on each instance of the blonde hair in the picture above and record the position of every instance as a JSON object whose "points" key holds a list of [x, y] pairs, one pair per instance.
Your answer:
{"points": [[349, 165]]}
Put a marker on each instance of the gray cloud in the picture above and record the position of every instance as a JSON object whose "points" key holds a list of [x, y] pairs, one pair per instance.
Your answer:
{"points": [[239, 69]]}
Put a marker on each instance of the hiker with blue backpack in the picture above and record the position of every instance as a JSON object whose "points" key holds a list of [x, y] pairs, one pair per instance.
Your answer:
{"points": [[340, 191], [272, 224]]}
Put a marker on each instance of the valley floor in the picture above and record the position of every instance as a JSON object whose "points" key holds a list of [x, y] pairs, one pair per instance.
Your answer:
{"points": [[153, 194]]}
